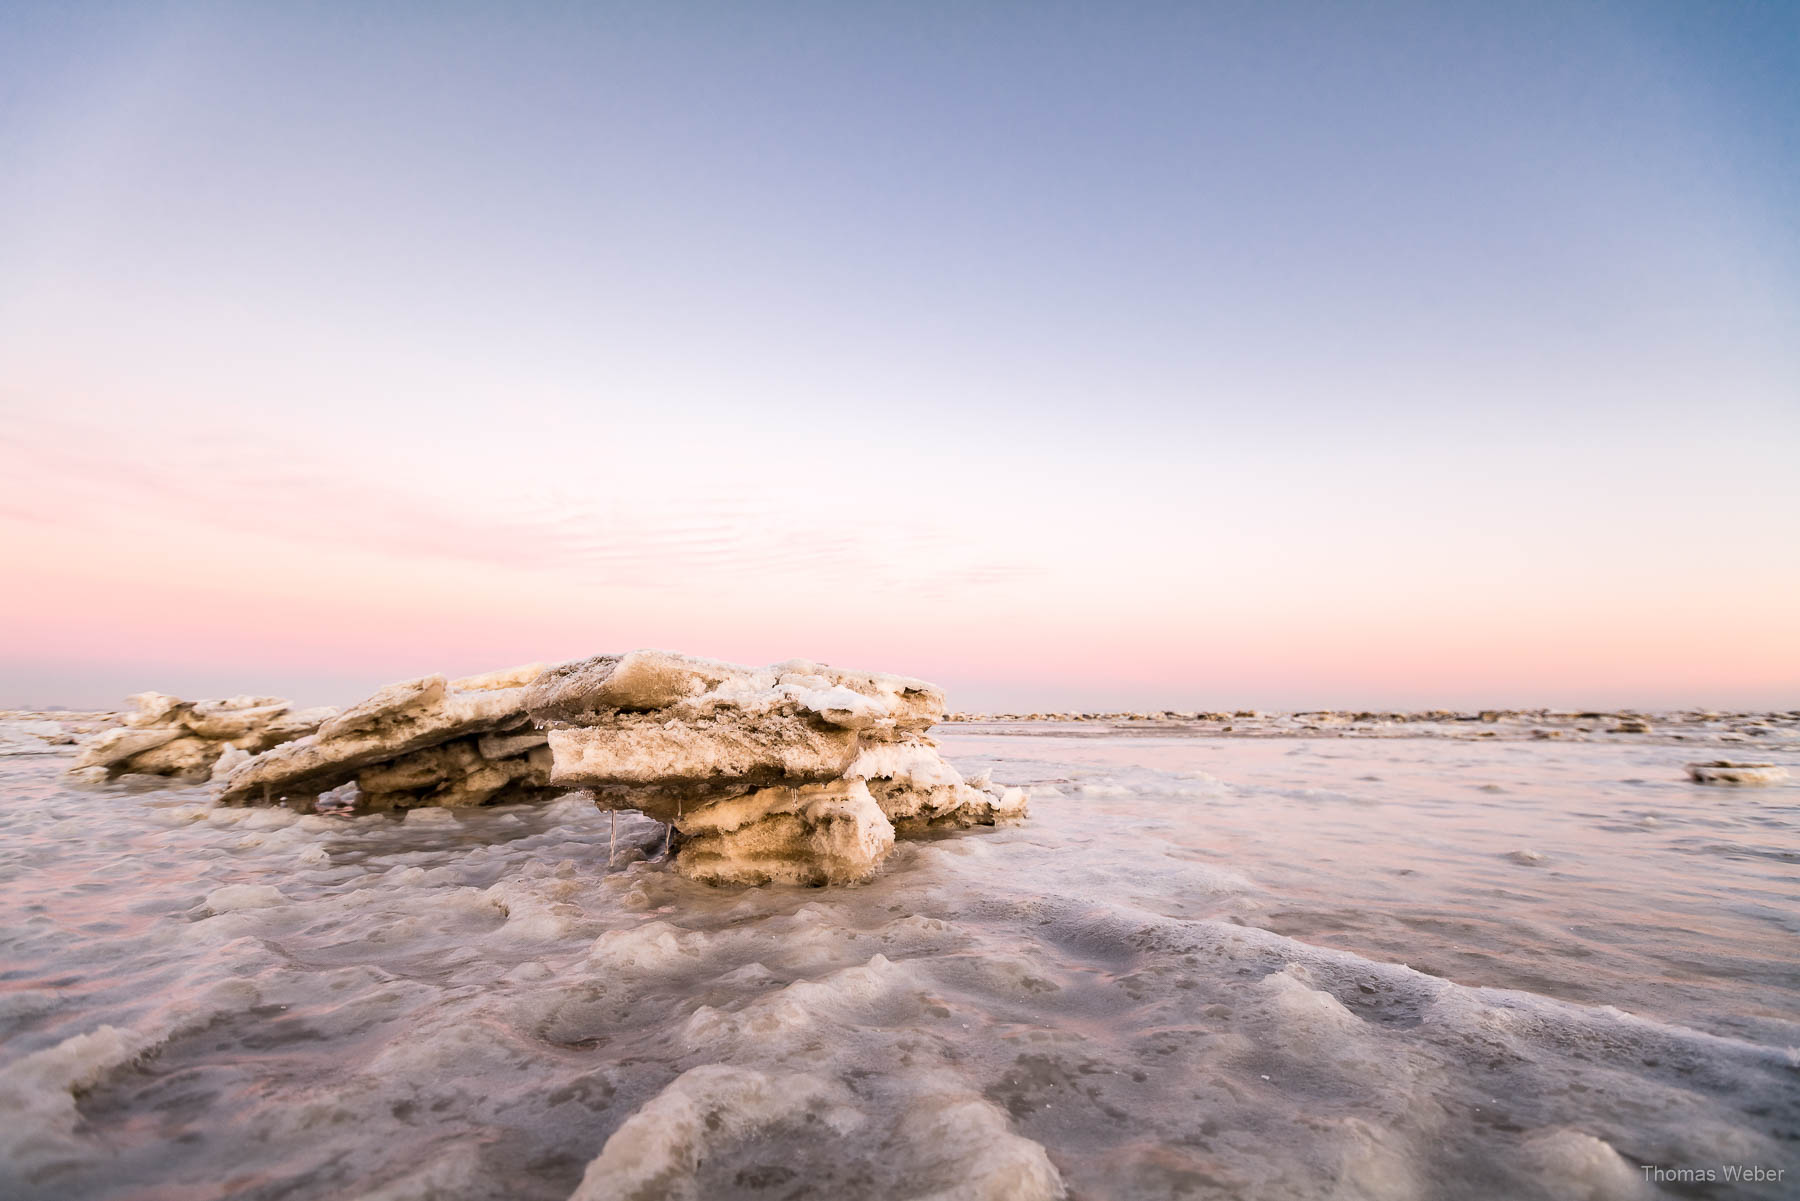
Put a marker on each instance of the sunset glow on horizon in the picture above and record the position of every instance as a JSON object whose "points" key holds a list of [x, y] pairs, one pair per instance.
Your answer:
{"points": [[1068, 364]]}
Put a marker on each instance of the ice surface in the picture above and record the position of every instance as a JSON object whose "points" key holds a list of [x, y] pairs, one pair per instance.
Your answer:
{"points": [[1186, 977]]}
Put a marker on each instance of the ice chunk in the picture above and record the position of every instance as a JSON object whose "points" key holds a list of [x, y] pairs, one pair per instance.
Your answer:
{"points": [[244, 896], [660, 1148], [37, 1093], [794, 773], [1580, 1167], [830, 833], [1728, 771], [187, 740], [416, 742]]}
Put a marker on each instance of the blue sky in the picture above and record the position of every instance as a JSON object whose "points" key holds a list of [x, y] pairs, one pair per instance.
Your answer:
{"points": [[1294, 353]]}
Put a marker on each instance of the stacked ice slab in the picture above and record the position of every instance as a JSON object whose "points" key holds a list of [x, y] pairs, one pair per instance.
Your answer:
{"points": [[193, 740], [429, 741], [796, 773]]}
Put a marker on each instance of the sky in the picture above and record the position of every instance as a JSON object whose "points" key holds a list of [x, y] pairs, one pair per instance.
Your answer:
{"points": [[1070, 355]]}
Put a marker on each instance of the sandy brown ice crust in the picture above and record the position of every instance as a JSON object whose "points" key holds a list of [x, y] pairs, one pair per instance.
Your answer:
{"points": [[429, 741]]}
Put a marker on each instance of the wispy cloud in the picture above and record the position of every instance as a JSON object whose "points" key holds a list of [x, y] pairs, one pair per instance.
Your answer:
{"points": [[225, 484]]}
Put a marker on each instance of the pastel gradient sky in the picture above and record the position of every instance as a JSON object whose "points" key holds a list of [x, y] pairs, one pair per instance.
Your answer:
{"points": [[1072, 355]]}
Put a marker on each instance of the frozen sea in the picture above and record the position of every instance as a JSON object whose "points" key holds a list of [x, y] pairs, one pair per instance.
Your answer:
{"points": [[1206, 967]]}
